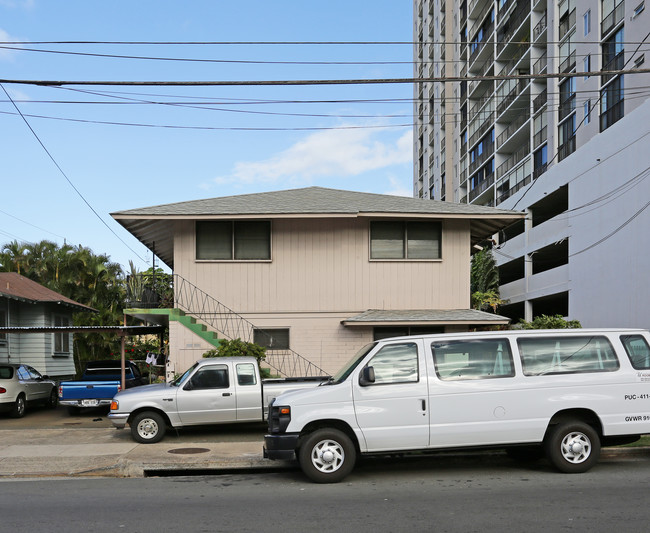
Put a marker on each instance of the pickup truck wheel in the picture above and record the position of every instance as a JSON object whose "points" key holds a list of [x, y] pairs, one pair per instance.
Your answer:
{"points": [[573, 447], [148, 427], [18, 410], [327, 456]]}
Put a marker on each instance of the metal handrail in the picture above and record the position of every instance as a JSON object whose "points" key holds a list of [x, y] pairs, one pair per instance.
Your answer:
{"points": [[208, 310]]}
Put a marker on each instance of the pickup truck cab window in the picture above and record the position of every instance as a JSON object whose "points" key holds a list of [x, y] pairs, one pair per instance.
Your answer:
{"points": [[209, 377], [566, 355], [395, 363], [472, 359], [246, 374]]}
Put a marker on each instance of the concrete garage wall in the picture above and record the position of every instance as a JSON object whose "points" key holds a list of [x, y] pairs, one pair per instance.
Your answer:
{"points": [[607, 224]]}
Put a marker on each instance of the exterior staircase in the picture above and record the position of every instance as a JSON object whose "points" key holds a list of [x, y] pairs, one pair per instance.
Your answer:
{"points": [[212, 321]]}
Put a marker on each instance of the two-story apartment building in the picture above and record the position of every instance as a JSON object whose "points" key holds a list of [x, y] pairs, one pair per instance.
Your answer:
{"points": [[322, 271]]}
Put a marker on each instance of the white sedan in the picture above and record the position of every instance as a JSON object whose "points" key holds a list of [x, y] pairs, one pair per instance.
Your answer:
{"points": [[22, 384]]}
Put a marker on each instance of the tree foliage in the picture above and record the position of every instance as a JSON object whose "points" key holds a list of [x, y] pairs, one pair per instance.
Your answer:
{"points": [[238, 348], [484, 274], [549, 322], [484, 282], [81, 275]]}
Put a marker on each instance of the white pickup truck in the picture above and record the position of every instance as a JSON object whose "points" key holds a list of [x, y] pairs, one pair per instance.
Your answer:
{"points": [[219, 390], [559, 393]]}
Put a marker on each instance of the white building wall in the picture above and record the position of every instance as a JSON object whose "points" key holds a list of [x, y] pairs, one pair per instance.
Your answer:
{"points": [[606, 224]]}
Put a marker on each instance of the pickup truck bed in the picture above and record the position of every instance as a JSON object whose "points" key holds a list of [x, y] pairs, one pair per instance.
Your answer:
{"points": [[100, 382]]}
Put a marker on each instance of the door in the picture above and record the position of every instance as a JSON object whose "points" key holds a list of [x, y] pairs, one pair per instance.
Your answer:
{"points": [[34, 385], [207, 397], [249, 394], [392, 409]]}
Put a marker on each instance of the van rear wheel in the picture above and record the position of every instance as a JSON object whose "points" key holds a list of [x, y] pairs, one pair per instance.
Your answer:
{"points": [[572, 447], [327, 456]]}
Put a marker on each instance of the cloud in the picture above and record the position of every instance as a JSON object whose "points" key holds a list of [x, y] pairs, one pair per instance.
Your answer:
{"points": [[12, 4], [337, 153], [5, 37], [400, 187]]}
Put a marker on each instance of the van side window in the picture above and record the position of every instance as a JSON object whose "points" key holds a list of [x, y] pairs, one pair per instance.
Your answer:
{"points": [[480, 359], [637, 350], [566, 355], [396, 363]]}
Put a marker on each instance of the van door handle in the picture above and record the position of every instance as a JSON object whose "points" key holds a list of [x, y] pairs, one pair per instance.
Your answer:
{"points": [[227, 394], [424, 405]]}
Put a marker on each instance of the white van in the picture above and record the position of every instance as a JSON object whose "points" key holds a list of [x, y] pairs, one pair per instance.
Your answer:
{"points": [[561, 392]]}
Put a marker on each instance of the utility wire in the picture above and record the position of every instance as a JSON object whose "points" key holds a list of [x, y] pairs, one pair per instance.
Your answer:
{"points": [[65, 175], [32, 225], [360, 81]]}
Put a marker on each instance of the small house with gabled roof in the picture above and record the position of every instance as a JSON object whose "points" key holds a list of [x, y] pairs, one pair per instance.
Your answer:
{"points": [[29, 306], [315, 270]]}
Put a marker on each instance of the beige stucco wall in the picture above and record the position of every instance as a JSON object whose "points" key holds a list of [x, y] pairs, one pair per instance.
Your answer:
{"points": [[320, 274]]}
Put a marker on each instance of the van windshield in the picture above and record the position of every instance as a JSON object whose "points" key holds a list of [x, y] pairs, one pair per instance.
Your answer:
{"points": [[347, 369]]}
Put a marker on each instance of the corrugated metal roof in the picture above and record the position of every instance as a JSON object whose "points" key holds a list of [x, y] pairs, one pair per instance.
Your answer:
{"points": [[17, 287], [151, 224], [424, 316]]}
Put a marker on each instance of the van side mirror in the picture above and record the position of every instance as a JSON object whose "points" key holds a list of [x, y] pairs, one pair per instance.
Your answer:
{"points": [[367, 376]]}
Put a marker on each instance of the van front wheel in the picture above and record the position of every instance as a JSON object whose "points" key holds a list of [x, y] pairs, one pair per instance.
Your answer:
{"points": [[572, 447], [327, 456]]}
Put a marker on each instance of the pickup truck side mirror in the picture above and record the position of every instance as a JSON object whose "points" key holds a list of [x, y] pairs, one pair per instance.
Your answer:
{"points": [[367, 376]]}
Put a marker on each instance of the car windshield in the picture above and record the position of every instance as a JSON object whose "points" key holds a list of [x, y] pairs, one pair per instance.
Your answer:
{"points": [[182, 378], [347, 369]]}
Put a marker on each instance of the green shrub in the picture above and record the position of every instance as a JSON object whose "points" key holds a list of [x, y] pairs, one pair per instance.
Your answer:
{"points": [[549, 322], [238, 348]]}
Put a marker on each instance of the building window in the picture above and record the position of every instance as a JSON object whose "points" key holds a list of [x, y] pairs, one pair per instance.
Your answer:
{"points": [[540, 161], [567, 97], [567, 137], [638, 9], [586, 65], [386, 332], [587, 21], [405, 240], [61, 339], [233, 240], [587, 108], [272, 339], [611, 103]]}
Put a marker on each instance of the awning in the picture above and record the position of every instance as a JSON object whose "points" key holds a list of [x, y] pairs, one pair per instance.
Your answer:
{"points": [[119, 330], [425, 317]]}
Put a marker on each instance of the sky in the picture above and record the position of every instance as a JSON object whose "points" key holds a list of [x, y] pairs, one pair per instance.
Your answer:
{"points": [[73, 154]]}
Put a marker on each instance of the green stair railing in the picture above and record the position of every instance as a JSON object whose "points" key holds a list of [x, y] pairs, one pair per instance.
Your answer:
{"points": [[208, 310]]}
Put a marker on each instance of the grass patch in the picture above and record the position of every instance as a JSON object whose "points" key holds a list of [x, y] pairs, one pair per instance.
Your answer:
{"points": [[643, 441]]}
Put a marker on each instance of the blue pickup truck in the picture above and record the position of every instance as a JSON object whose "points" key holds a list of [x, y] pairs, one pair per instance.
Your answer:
{"points": [[101, 380]]}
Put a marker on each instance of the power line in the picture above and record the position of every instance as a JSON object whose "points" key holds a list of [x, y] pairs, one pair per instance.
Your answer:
{"points": [[30, 224], [359, 81], [212, 128], [65, 175]]}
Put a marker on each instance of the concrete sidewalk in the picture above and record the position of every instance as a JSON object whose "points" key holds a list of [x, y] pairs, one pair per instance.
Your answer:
{"points": [[109, 452]]}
